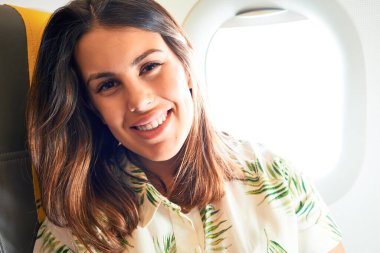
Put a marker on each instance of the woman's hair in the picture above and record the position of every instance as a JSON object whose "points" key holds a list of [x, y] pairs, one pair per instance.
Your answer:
{"points": [[74, 152]]}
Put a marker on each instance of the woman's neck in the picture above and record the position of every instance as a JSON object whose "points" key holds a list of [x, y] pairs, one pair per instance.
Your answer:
{"points": [[160, 173]]}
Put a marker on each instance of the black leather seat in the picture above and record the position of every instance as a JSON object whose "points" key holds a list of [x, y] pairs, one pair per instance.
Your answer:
{"points": [[18, 214]]}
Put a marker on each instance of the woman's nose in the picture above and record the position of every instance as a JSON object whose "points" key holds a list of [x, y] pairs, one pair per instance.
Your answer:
{"points": [[139, 98]]}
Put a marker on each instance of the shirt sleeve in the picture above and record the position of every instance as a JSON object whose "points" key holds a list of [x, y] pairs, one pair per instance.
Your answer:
{"points": [[54, 239], [318, 232], [286, 190]]}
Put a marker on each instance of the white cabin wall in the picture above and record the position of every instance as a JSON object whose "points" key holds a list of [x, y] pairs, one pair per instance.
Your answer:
{"points": [[358, 211]]}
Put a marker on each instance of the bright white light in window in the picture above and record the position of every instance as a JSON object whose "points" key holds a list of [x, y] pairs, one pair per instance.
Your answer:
{"points": [[280, 85]]}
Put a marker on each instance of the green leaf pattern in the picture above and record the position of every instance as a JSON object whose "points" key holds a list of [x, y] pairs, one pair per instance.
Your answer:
{"points": [[305, 196], [214, 228], [280, 187], [273, 246], [329, 224], [270, 182], [50, 244], [138, 183], [168, 244]]}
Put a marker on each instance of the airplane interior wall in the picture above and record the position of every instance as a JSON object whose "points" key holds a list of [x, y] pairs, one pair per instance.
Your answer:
{"points": [[357, 212]]}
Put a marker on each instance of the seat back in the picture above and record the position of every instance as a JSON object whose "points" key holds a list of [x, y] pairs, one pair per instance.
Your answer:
{"points": [[19, 41]]}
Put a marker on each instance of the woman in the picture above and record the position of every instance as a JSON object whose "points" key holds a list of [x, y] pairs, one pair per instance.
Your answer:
{"points": [[128, 160]]}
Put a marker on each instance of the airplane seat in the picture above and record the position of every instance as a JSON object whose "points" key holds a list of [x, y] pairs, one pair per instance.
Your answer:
{"points": [[20, 34]]}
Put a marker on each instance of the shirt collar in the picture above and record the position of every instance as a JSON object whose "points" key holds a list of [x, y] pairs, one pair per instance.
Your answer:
{"points": [[149, 199]]}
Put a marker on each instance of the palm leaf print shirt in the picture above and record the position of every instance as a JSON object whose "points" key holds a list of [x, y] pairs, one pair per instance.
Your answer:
{"points": [[272, 209]]}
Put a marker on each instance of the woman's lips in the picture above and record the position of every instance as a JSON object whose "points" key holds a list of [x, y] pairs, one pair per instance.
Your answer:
{"points": [[153, 124], [150, 130]]}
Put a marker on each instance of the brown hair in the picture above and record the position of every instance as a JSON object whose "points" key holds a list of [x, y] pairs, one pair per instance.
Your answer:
{"points": [[74, 153]]}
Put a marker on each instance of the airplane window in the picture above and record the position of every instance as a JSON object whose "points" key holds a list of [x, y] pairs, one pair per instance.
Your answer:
{"points": [[279, 81]]}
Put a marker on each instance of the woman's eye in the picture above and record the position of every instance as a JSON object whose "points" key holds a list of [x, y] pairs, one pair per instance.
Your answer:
{"points": [[149, 67], [109, 84]]}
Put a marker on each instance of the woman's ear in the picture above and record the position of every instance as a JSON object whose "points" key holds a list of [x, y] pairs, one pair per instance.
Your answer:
{"points": [[189, 80]]}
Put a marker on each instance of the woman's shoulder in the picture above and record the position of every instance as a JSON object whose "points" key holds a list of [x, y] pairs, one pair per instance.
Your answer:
{"points": [[271, 177], [256, 157], [275, 186], [266, 172]]}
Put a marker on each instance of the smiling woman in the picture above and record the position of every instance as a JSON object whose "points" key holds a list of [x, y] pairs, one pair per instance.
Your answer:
{"points": [[128, 160], [139, 83]]}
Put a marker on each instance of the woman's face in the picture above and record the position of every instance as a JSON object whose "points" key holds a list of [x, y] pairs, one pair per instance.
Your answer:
{"points": [[139, 87]]}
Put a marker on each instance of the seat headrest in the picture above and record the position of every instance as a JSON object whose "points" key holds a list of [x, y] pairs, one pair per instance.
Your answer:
{"points": [[35, 22], [23, 36]]}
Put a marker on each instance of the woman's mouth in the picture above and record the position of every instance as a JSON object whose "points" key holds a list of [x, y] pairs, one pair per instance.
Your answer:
{"points": [[154, 128], [154, 124]]}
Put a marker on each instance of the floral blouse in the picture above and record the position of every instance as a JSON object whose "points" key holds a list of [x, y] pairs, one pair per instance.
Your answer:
{"points": [[273, 209]]}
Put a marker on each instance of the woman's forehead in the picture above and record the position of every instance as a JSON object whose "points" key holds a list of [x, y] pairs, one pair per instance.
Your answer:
{"points": [[104, 42]]}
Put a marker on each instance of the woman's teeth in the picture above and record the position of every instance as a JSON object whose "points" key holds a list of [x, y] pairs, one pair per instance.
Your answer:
{"points": [[152, 125]]}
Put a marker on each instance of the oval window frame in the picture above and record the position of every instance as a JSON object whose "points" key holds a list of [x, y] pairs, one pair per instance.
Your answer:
{"points": [[207, 16]]}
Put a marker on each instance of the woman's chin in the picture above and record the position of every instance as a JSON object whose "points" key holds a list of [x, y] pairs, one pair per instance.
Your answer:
{"points": [[158, 158]]}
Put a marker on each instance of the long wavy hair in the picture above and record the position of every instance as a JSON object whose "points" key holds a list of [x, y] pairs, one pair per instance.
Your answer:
{"points": [[74, 152]]}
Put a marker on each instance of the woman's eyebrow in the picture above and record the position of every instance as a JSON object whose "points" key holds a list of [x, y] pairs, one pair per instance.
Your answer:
{"points": [[98, 76], [143, 55]]}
